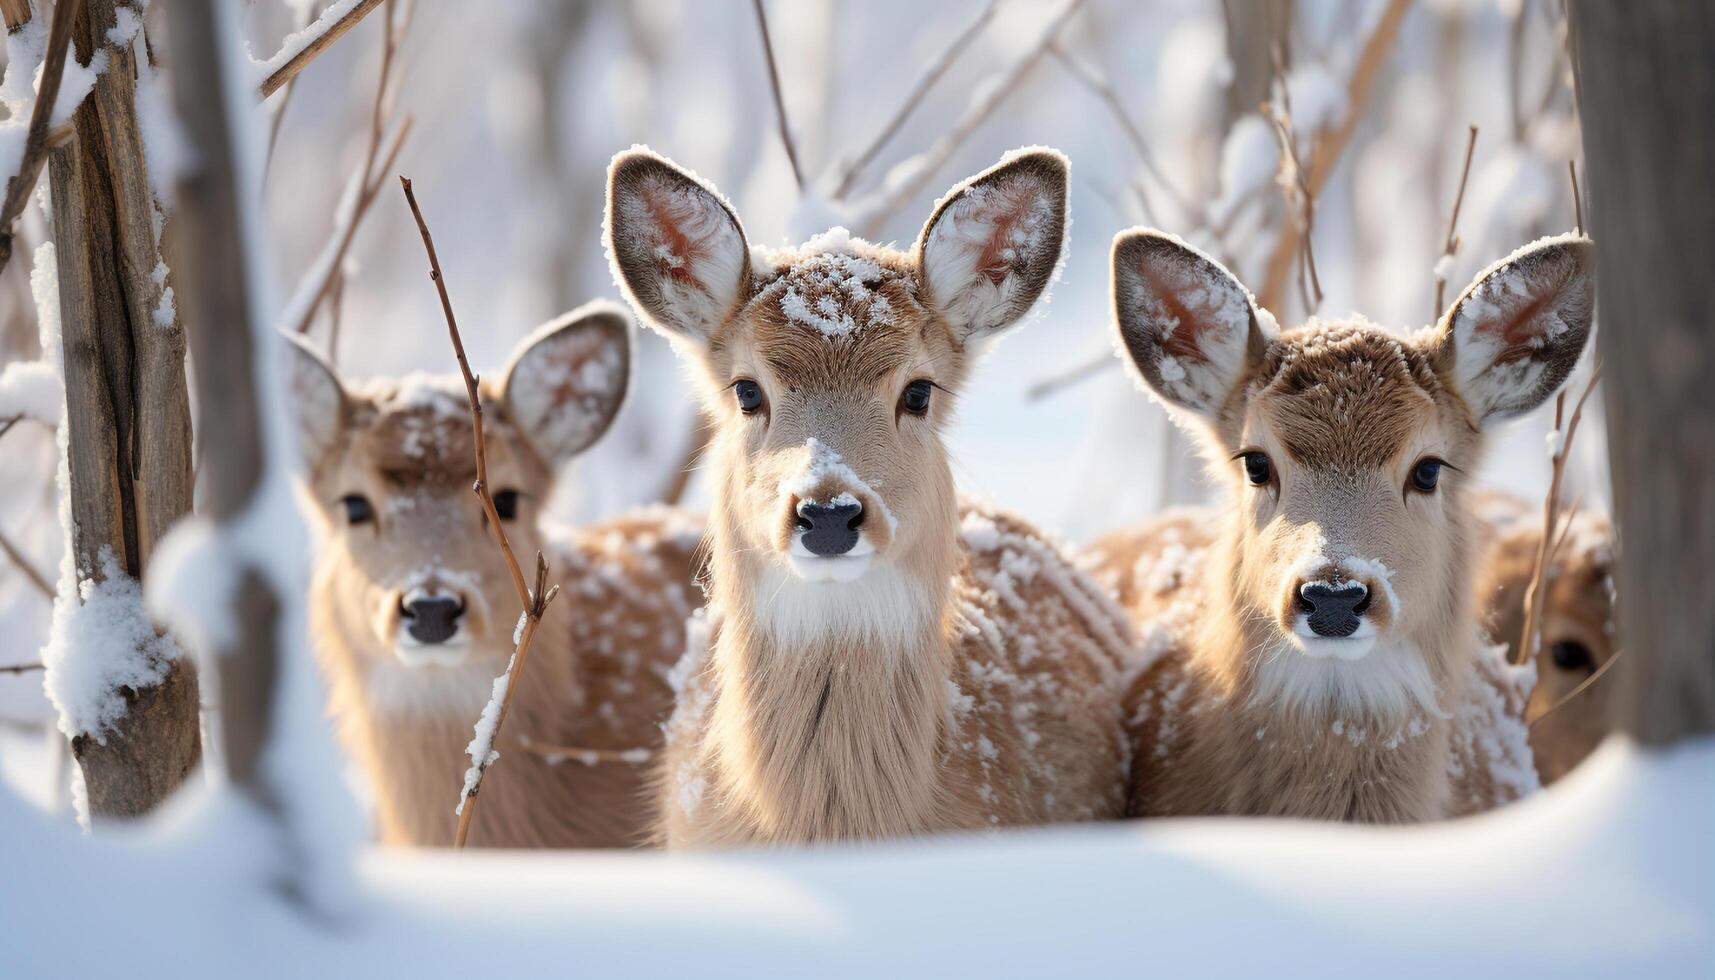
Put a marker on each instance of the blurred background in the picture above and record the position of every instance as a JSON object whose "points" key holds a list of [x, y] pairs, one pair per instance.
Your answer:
{"points": [[514, 112]]}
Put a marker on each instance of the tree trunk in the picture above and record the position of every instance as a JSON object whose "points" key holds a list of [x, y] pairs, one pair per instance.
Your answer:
{"points": [[127, 409], [1647, 93]]}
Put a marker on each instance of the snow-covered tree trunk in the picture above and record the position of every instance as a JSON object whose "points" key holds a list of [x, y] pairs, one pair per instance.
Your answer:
{"points": [[1647, 93], [128, 438]]}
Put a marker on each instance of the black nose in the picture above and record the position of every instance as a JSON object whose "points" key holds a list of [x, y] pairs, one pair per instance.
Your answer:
{"points": [[830, 530], [1333, 611], [433, 619]]}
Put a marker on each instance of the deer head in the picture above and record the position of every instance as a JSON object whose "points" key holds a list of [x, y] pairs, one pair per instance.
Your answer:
{"points": [[829, 370], [414, 572], [1346, 450]]}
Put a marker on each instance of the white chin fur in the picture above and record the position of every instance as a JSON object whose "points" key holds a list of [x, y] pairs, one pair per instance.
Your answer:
{"points": [[411, 653], [848, 567]]}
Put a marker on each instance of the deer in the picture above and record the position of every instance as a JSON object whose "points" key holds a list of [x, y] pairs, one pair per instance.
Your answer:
{"points": [[1313, 650], [1568, 708], [879, 658], [412, 608]]}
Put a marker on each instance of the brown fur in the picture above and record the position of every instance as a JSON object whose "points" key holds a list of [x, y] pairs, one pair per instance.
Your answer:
{"points": [[964, 680], [1236, 708], [596, 677]]}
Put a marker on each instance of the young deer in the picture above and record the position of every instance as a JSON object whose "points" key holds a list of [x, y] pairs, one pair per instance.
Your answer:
{"points": [[884, 661], [1577, 623], [1319, 657], [413, 610]]}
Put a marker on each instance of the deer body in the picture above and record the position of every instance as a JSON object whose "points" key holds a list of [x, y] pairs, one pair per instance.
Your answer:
{"points": [[880, 660], [413, 612], [1313, 650]]}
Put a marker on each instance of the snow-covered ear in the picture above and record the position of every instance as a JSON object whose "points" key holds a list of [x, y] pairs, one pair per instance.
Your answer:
{"points": [[675, 244], [318, 400], [992, 243], [1515, 333], [1189, 326], [568, 378]]}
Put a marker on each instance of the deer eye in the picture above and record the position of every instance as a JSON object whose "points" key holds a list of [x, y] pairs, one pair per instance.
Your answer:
{"points": [[749, 395], [357, 509], [1426, 475], [1572, 655], [1258, 470], [506, 504], [916, 397]]}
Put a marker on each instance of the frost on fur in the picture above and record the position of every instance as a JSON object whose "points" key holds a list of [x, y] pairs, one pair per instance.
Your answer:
{"points": [[992, 245], [1186, 323], [1518, 329], [569, 379], [675, 244]]}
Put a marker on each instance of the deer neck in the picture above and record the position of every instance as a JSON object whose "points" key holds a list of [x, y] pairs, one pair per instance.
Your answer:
{"points": [[829, 698]]}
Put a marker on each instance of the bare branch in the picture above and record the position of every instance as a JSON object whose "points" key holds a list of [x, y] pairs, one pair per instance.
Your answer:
{"points": [[36, 578], [1529, 638], [938, 155], [1577, 198], [1325, 154], [534, 603], [588, 756], [1583, 686], [937, 68], [20, 668], [779, 99], [1104, 90], [36, 138], [1056, 383], [680, 478], [328, 28], [1450, 248]]}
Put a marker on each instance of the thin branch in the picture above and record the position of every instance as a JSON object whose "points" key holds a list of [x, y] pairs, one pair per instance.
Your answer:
{"points": [[1297, 189], [327, 29], [535, 602], [938, 155], [937, 68], [17, 557], [587, 756], [779, 99], [1577, 198], [36, 138], [1056, 383], [1529, 638], [279, 117], [680, 478], [1102, 89], [6, 426], [1450, 248], [1583, 686], [1325, 153], [20, 668]]}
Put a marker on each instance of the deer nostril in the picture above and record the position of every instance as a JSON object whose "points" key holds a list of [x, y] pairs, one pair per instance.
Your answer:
{"points": [[830, 530], [1333, 610], [433, 619]]}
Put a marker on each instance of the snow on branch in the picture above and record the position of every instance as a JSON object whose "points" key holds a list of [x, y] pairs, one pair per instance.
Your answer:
{"points": [[299, 49], [36, 139], [535, 603]]}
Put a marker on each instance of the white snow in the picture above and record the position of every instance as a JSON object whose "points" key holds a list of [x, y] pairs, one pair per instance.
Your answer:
{"points": [[295, 43], [481, 748], [31, 389], [825, 464]]}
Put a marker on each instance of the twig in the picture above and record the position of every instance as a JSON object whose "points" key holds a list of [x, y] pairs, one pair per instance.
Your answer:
{"points": [[937, 156], [1056, 383], [36, 578], [1583, 686], [279, 117], [1325, 154], [327, 34], [20, 668], [937, 68], [587, 756], [1451, 247], [1577, 198], [36, 138], [1104, 90], [680, 478], [1297, 190], [779, 99], [535, 602], [6, 426], [1529, 638]]}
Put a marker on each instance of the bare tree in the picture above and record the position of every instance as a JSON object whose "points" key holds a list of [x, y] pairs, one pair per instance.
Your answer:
{"points": [[127, 410], [1647, 92]]}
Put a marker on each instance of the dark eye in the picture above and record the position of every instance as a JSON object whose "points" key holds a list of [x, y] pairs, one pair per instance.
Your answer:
{"points": [[1258, 469], [1572, 655], [1425, 475], [357, 509], [506, 504], [749, 395], [916, 397]]}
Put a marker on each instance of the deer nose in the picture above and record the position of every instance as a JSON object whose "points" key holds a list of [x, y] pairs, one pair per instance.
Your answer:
{"points": [[830, 530], [1334, 609], [432, 619]]}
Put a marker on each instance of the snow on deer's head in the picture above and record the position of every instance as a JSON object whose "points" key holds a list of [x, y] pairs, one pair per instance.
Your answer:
{"points": [[413, 574], [830, 369], [1347, 449]]}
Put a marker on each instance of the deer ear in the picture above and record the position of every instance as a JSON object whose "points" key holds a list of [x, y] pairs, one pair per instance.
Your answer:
{"points": [[318, 401], [568, 379], [992, 245], [675, 244], [1515, 333], [1189, 326]]}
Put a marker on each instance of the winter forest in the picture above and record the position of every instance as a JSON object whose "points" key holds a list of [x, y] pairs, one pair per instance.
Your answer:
{"points": [[773, 487]]}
